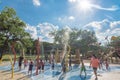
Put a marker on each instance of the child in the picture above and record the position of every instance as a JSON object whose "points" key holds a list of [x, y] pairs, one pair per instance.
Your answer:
{"points": [[101, 62], [30, 67], [82, 68], [25, 63], [42, 65], [64, 68], [106, 64], [52, 63]]}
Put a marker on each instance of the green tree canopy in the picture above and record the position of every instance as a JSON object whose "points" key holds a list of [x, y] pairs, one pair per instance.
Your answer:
{"points": [[11, 29], [79, 39]]}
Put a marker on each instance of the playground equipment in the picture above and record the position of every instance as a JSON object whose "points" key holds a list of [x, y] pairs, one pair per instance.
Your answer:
{"points": [[78, 56], [64, 61], [67, 57], [13, 50], [38, 54], [57, 56], [12, 67], [65, 40], [110, 54], [13, 60]]}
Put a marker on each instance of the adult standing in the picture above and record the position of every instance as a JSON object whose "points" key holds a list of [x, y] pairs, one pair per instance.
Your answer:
{"points": [[95, 64], [20, 62]]}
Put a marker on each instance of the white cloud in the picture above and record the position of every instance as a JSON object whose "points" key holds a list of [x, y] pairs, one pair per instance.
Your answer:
{"points": [[115, 31], [66, 20], [98, 25], [42, 31], [36, 2], [109, 17], [112, 8], [46, 28], [71, 17], [32, 30], [89, 4], [115, 24], [104, 28], [59, 19]]}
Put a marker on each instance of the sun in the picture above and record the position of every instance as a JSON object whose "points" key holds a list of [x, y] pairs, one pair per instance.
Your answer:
{"points": [[84, 5]]}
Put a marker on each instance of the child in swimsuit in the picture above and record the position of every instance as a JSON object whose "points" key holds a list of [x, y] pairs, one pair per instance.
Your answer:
{"points": [[82, 68], [30, 67]]}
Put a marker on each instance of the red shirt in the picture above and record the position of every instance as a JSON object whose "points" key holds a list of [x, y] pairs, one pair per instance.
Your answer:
{"points": [[94, 62]]}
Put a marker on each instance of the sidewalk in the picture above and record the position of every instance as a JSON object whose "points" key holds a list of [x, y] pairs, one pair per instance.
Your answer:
{"points": [[115, 75]]}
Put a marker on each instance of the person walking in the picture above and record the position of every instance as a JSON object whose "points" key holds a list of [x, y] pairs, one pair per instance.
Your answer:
{"points": [[95, 64], [82, 68]]}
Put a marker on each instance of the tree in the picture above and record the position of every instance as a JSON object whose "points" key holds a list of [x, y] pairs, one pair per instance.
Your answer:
{"points": [[115, 43], [11, 29], [79, 39]]}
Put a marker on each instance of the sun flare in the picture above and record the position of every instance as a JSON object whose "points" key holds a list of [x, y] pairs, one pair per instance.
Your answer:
{"points": [[84, 5]]}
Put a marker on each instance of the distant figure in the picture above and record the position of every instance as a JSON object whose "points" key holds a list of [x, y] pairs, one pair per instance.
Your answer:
{"points": [[82, 68], [39, 66], [101, 62], [30, 67], [25, 63], [64, 68], [53, 65], [20, 62], [42, 65], [95, 64], [106, 64]]}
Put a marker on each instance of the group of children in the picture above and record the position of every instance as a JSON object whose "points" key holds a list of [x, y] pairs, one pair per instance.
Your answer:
{"points": [[30, 63], [39, 64], [94, 63]]}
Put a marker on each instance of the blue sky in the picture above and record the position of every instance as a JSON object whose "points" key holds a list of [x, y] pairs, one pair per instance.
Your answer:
{"points": [[42, 16]]}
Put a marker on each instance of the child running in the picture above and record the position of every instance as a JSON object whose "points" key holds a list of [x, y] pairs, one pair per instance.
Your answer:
{"points": [[82, 68], [30, 67]]}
